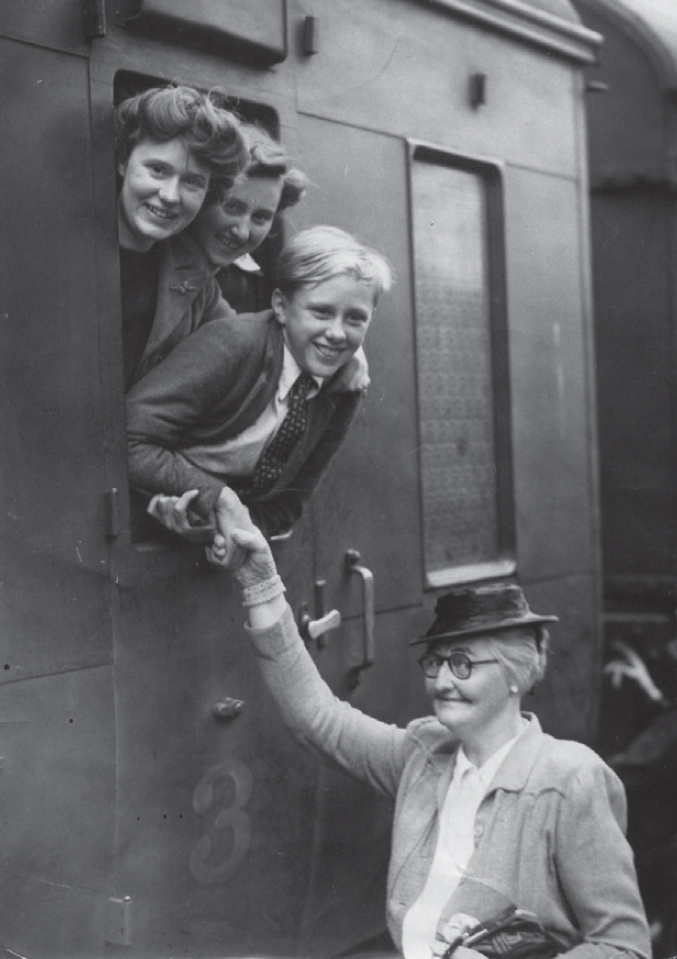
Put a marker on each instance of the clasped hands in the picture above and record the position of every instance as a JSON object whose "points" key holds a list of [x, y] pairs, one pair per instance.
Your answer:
{"points": [[215, 534]]}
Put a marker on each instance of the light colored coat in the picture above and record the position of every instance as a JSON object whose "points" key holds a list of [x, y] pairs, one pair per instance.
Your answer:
{"points": [[549, 834]]}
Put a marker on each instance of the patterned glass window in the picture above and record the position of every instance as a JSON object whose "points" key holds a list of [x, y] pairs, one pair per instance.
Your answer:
{"points": [[461, 353]]}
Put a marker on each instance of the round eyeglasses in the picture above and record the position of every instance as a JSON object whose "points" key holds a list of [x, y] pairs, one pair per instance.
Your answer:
{"points": [[460, 665]]}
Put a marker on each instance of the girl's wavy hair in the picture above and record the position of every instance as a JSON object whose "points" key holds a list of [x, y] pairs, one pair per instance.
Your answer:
{"points": [[267, 159], [179, 111], [324, 252]]}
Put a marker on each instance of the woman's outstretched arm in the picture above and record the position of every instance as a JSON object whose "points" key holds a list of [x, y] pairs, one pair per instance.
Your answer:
{"points": [[369, 749]]}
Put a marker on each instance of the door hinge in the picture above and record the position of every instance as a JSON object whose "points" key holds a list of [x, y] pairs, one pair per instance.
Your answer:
{"points": [[111, 501]]}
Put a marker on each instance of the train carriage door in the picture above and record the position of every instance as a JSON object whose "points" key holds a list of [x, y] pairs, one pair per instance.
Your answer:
{"points": [[370, 487], [56, 708], [414, 500], [214, 849]]}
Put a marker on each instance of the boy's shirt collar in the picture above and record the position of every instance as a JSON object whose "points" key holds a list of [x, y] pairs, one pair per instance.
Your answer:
{"points": [[247, 264], [289, 375]]}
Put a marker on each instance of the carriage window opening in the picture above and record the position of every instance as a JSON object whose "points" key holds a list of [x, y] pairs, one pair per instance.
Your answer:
{"points": [[461, 363], [140, 273]]}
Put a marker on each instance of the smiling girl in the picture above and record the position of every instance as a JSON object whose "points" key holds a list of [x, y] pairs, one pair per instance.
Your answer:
{"points": [[174, 143]]}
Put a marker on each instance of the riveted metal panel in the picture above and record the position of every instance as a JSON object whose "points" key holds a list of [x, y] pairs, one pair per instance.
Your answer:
{"points": [[57, 798], [57, 722], [53, 558], [254, 30], [372, 487], [552, 406], [215, 813], [52, 23], [633, 260], [379, 92]]}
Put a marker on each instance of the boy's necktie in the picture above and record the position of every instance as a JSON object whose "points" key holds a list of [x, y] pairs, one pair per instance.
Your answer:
{"points": [[272, 461]]}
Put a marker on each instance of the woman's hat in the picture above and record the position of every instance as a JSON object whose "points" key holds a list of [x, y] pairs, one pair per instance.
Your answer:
{"points": [[471, 611]]}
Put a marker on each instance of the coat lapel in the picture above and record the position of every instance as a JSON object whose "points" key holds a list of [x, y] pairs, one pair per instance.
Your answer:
{"points": [[417, 818], [183, 274], [514, 771], [248, 407]]}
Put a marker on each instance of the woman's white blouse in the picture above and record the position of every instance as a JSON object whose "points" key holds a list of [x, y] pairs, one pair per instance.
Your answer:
{"points": [[455, 846]]}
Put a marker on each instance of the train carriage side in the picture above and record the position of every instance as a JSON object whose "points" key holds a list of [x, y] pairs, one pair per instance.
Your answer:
{"points": [[631, 110], [145, 812], [632, 124], [632, 121]]}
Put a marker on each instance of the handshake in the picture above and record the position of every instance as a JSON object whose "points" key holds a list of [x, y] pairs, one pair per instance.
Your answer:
{"points": [[233, 542]]}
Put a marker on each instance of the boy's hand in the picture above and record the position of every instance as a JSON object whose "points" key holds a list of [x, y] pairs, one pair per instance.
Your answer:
{"points": [[174, 514], [353, 376]]}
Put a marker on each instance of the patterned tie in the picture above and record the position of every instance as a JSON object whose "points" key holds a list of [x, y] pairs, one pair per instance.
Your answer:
{"points": [[272, 461]]}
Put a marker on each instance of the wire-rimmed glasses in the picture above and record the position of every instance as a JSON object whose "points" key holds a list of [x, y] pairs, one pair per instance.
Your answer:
{"points": [[460, 664]]}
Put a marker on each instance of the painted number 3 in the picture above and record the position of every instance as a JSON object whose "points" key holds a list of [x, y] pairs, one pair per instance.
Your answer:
{"points": [[207, 865]]}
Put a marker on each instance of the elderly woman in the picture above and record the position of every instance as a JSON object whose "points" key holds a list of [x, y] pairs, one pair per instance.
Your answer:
{"points": [[490, 811]]}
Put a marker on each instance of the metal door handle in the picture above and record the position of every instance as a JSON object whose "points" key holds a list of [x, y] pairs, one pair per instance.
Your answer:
{"points": [[314, 629], [353, 565]]}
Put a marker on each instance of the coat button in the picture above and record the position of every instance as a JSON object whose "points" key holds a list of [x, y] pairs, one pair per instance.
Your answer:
{"points": [[479, 831]]}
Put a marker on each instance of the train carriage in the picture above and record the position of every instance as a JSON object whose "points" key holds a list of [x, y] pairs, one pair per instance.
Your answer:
{"points": [[632, 146], [631, 110], [151, 803]]}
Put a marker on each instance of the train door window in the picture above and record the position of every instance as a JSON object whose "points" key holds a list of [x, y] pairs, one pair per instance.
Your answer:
{"points": [[463, 390], [147, 533]]}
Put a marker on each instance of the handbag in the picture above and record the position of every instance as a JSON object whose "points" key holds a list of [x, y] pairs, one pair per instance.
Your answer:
{"points": [[512, 934]]}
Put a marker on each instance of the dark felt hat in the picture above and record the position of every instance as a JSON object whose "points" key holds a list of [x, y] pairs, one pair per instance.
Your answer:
{"points": [[472, 611]]}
